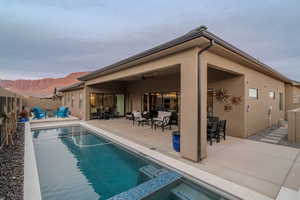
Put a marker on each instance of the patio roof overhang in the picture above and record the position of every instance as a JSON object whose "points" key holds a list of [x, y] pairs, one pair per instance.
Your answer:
{"points": [[75, 86], [198, 37]]}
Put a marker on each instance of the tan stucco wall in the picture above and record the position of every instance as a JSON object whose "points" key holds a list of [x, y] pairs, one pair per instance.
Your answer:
{"points": [[236, 117], [45, 104], [294, 126], [292, 97], [257, 118], [243, 122], [75, 110], [4, 93]]}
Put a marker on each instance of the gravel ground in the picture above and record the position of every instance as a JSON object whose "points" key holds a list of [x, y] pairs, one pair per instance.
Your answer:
{"points": [[11, 168]]}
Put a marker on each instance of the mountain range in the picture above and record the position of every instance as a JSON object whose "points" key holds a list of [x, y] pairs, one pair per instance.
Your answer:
{"points": [[41, 87]]}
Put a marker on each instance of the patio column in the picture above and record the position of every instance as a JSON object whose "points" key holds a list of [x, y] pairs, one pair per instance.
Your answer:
{"points": [[189, 123], [202, 67], [86, 103]]}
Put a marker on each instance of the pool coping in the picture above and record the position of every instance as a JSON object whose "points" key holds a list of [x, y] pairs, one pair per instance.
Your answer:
{"points": [[197, 174], [31, 177]]}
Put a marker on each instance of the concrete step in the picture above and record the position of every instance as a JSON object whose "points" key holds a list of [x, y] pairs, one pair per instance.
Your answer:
{"points": [[185, 192]]}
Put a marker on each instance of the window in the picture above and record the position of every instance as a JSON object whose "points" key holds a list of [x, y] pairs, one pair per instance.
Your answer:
{"points": [[161, 101], [93, 100], [170, 102], [103, 103], [253, 93], [272, 95], [80, 101], [145, 102], [280, 101], [68, 95], [72, 101]]}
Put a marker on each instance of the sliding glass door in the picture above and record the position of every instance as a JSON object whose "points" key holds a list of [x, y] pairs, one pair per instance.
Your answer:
{"points": [[113, 103], [120, 104], [168, 101]]}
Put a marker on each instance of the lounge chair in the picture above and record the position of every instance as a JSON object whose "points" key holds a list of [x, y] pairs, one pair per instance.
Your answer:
{"points": [[38, 113], [62, 112]]}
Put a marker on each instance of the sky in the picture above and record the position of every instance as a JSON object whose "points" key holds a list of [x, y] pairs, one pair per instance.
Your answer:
{"points": [[43, 38]]}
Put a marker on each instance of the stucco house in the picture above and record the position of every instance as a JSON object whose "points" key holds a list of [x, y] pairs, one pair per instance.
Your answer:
{"points": [[196, 75], [292, 96], [73, 98]]}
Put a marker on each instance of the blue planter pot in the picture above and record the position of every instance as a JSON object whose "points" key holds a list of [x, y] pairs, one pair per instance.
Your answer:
{"points": [[22, 119], [176, 140]]}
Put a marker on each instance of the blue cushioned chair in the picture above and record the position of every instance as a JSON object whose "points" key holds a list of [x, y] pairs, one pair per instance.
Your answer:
{"points": [[39, 113], [62, 112]]}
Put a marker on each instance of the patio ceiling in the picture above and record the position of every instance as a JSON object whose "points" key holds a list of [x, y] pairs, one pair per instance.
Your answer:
{"points": [[172, 70], [216, 74]]}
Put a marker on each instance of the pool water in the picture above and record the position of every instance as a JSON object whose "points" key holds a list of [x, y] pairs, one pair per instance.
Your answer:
{"points": [[74, 163]]}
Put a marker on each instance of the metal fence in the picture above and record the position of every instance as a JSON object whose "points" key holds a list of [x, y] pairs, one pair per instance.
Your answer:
{"points": [[8, 104]]}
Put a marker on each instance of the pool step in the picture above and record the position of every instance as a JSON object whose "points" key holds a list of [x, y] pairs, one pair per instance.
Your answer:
{"points": [[186, 192], [151, 171], [146, 189]]}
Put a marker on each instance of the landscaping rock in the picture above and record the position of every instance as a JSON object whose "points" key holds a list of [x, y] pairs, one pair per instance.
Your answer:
{"points": [[12, 167]]}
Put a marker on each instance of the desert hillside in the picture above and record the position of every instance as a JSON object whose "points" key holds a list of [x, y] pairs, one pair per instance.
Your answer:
{"points": [[41, 87]]}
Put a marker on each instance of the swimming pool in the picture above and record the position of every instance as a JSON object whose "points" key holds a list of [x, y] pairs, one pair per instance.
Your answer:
{"points": [[74, 163]]}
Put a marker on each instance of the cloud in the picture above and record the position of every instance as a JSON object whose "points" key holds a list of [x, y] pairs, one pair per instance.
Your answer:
{"points": [[50, 38]]}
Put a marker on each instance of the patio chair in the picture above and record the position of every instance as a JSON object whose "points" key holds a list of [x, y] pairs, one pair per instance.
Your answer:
{"points": [[137, 117], [213, 132], [222, 129], [213, 119], [158, 120], [146, 119], [174, 118], [128, 116], [38, 113], [164, 122], [62, 112]]}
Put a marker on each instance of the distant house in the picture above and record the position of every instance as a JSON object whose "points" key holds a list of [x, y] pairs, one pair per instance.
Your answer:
{"points": [[197, 75], [5, 92], [292, 96], [10, 101], [72, 97]]}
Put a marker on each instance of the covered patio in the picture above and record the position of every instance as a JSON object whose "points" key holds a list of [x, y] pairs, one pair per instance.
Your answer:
{"points": [[162, 89], [241, 161]]}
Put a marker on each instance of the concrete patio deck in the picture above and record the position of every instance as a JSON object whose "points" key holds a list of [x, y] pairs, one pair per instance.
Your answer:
{"points": [[262, 167]]}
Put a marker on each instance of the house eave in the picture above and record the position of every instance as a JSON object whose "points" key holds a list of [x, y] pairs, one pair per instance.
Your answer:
{"points": [[201, 33]]}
